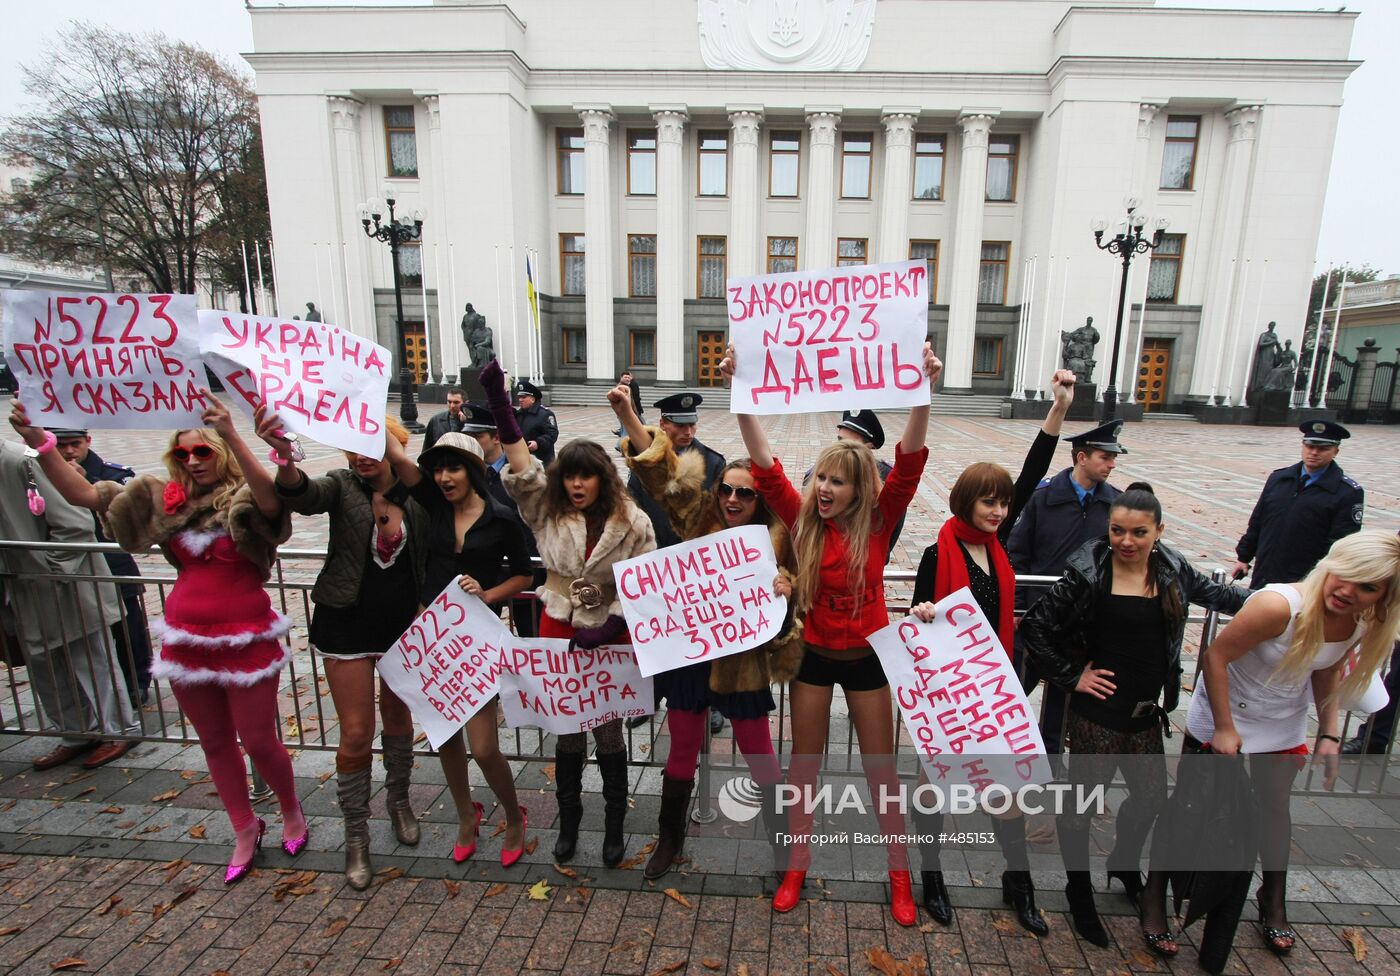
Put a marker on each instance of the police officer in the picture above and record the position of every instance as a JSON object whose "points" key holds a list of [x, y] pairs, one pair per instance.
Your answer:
{"points": [[1303, 509], [863, 427], [537, 422], [75, 446]]}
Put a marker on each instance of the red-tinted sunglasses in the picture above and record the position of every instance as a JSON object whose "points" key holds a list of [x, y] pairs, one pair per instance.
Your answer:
{"points": [[202, 451]]}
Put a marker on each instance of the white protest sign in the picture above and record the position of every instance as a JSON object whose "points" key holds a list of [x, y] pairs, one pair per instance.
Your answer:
{"points": [[842, 339], [701, 600], [323, 382], [561, 691], [447, 665], [123, 361], [961, 700]]}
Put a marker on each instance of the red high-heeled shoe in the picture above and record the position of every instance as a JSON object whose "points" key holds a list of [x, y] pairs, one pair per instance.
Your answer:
{"points": [[902, 898], [460, 853], [509, 857], [237, 872], [789, 892]]}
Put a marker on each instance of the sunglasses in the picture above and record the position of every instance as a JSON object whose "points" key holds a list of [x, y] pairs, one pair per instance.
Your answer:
{"points": [[745, 494], [202, 451]]}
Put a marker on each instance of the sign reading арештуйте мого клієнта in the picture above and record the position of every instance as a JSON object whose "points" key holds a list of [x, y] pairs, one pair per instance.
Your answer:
{"points": [[846, 338]]}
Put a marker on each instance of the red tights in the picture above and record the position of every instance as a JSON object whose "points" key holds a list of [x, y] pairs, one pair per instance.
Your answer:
{"points": [[688, 737]]}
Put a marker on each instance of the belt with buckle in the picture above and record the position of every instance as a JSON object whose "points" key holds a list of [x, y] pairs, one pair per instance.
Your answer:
{"points": [[580, 592]]}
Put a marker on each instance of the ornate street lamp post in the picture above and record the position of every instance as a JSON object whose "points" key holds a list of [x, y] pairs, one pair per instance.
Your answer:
{"points": [[397, 232], [1127, 242]]}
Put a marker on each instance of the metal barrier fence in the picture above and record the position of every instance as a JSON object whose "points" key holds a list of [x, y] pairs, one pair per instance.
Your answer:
{"points": [[308, 715]]}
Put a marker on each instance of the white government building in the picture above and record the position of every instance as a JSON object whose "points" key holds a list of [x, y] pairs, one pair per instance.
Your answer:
{"points": [[641, 151]]}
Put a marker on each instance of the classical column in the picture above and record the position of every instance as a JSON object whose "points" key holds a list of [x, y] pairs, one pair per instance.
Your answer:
{"points": [[670, 243], [818, 248], [354, 307], [896, 188], [1208, 377], [1142, 185], [597, 241], [743, 256], [967, 253], [435, 230]]}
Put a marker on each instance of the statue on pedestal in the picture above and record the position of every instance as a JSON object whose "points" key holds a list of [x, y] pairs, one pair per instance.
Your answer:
{"points": [[1281, 375], [1266, 353], [480, 342], [313, 314], [1078, 351]]}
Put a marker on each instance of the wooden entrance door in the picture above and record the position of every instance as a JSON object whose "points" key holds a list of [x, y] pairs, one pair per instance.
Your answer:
{"points": [[1154, 369], [417, 341], [709, 352]]}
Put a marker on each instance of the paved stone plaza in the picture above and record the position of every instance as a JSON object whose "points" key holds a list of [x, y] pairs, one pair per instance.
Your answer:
{"points": [[121, 867]]}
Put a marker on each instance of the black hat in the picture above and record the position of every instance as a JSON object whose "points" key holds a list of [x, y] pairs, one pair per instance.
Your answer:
{"points": [[1104, 437], [866, 424], [479, 419], [679, 408], [1323, 433], [526, 388], [62, 432]]}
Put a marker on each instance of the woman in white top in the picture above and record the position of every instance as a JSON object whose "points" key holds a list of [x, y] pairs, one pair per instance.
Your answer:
{"points": [[1288, 647]]}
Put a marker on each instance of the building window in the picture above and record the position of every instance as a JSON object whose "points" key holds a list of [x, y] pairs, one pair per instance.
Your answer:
{"points": [[571, 264], [641, 265], [850, 250], [784, 159], [782, 254], [641, 162], [714, 163], [991, 278], [855, 165], [928, 167], [573, 347], [401, 141], [410, 265], [1179, 152], [641, 346], [570, 161], [711, 267], [928, 250], [986, 356], [1164, 271], [1001, 168]]}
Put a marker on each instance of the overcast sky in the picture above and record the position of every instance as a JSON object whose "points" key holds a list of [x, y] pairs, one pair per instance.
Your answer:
{"points": [[1359, 224]]}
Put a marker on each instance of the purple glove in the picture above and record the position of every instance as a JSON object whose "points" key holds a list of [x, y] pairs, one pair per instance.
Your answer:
{"points": [[493, 382], [605, 633]]}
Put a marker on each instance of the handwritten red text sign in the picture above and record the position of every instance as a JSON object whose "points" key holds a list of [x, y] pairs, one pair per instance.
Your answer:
{"points": [[126, 361], [323, 382], [961, 700], [842, 339], [561, 690], [700, 600], [448, 664]]}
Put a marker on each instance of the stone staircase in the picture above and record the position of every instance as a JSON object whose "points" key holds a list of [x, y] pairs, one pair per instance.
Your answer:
{"points": [[967, 406], [1179, 417], [582, 395]]}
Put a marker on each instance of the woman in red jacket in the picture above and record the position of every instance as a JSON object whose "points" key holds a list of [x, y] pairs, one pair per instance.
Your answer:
{"points": [[841, 534]]}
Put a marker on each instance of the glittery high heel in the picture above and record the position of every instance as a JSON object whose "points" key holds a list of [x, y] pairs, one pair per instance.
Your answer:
{"points": [[237, 872]]}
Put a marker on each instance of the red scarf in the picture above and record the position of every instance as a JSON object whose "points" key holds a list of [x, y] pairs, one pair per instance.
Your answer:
{"points": [[951, 575]]}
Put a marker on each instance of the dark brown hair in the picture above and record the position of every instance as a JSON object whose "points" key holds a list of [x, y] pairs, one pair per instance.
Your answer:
{"points": [[981, 480], [1139, 497], [584, 457]]}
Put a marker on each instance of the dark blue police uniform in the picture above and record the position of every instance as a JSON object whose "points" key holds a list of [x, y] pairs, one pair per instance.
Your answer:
{"points": [[538, 424]]}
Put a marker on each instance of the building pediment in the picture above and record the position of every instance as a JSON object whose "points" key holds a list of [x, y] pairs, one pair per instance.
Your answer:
{"points": [[785, 35]]}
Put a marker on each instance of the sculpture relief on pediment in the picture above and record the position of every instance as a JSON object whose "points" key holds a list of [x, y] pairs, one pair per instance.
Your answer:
{"points": [[785, 35]]}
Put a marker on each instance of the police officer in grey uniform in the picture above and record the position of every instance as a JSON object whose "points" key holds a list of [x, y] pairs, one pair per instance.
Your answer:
{"points": [[537, 422], [1303, 509]]}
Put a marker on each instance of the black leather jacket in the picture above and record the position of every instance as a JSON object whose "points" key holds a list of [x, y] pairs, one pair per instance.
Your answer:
{"points": [[1057, 628]]}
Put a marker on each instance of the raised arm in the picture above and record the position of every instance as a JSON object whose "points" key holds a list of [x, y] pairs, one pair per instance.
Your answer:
{"points": [[620, 399], [268, 427], [264, 492], [755, 440], [70, 484], [493, 381], [916, 427], [1062, 387]]}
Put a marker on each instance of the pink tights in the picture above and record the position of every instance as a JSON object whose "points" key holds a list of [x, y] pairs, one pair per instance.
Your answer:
{"points": [[225, 714], [688, 737]]}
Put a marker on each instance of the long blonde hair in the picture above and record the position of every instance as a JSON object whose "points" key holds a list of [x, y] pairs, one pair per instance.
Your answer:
{"points": [[1363, 557], [855, 465], [230, 473]]}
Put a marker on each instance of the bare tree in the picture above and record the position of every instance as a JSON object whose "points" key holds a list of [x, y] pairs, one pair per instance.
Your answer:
{"points": [[138, 157]]}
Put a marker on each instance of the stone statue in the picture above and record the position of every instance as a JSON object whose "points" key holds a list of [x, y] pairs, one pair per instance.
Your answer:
{"points": [[1078, 350], [480, 342], [1281, 375], [1266, 352], [313, 314]]}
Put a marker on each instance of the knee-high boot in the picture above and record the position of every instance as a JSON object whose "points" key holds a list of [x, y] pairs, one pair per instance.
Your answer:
{"points": [[1079, 890], [398, 771], [353, 789], [929, 826], [613, 767], [675, 804], [568, 791], [1016, 887]]}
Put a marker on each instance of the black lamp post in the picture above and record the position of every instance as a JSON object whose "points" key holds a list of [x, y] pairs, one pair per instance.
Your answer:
{"points": [[1126, 243], [395, 233]]}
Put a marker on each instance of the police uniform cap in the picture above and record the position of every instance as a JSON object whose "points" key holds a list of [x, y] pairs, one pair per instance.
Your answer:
{"points": [[479, 419], [1104, 437], [526, 388], [1323, 433], [866, 424], [679, 408], [452, 446], [61, 432]]}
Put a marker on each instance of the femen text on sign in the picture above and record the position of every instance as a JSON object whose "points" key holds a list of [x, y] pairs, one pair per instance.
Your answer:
{"points": [[323, 382], [701, 600], [109, 360], [961, 699], [841, 339], [561, 690]]}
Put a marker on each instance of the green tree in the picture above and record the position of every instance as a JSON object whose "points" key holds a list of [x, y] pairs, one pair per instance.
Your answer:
{"points": [[1330, 282]]}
